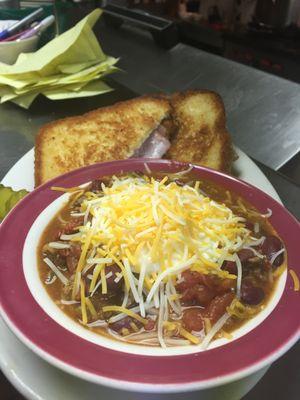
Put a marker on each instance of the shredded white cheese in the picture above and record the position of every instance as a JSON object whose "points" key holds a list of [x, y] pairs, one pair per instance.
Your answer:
{"points": [[268, 213], [69, 302], [161, 317], [153, 231], [57, 272], [239, 275], [275, 255], [59, 245], [215, 329]]}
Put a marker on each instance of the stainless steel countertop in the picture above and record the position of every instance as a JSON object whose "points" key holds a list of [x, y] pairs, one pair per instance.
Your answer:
{"points": [[263, 111]]}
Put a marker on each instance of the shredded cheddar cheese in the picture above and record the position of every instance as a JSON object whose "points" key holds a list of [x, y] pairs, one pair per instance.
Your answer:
{"points": [[189, 336], [175, 327], [125, 311], [103, 280], [66, 190], [162, 225], [207, 324], [295, 280], [91, 307], [139, 236], [83, 303]]}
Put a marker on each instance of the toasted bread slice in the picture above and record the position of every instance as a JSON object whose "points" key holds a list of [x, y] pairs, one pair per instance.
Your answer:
{"points": [[201, 136], [110, 133]]}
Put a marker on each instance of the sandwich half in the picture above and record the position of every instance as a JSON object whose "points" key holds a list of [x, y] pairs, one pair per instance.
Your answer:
{"points": [[133, 128], [201, 136]]}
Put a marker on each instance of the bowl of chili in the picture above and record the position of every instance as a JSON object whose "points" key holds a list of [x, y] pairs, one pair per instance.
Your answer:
{"points": [[170, 268]]}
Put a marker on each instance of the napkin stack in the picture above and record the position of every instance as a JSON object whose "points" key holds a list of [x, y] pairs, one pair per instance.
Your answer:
{"points": [[69, 66]]}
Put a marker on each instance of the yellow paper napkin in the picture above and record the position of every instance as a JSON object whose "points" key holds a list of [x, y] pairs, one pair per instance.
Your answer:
{"points": [[71, 65]]}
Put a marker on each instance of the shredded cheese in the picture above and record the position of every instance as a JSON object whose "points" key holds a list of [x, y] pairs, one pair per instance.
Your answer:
{"points": [[59, 245], [125, 311], [82, 257], [268, 214], [91, 307], [153, 231], [275, 255], [147, 169], [66, 190], [141, 217], [295, 280], [57, 272], [215, 329], [83, 303], [103, 279], [207, 324], [189, 336], [239, 275]]}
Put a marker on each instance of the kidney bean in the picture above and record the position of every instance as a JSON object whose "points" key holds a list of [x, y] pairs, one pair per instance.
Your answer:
{"points": [[57, 259], [111, 284], [218, 306], [197, 295], [189, 279], [149, 325], [244, 256], [230, 266], [249, 225], [96, 184], [125, 323], [251, 294], [72, 263], [179, 182], [271, 245], [219, 285], [69, 227], [72, 256], [192, 319], [225, 285]]}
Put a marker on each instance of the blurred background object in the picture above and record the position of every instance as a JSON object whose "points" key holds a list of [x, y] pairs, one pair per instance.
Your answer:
{"points": [[67, 13], [69, 66], [9, 4], [277, 13], [164, 31], [10, 50], [261, 33]]}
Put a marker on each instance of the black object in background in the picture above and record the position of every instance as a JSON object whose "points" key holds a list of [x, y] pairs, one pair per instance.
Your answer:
{"points": [[164, 31], [276, 14], [193, 6]]}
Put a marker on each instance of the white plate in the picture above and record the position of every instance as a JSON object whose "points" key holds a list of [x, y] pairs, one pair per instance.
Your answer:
{"points": [[37, 380], [21, 175]]}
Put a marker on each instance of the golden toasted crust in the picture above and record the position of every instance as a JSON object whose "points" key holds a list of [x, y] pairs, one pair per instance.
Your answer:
{"points": [[201, 136], [110, 133]]}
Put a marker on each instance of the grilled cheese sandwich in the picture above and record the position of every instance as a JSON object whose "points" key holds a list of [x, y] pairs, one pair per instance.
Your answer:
{"points": [[187, 126]]}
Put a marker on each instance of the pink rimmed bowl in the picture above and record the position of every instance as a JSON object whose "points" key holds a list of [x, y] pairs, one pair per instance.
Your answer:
{"points": [[227, 367]]}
